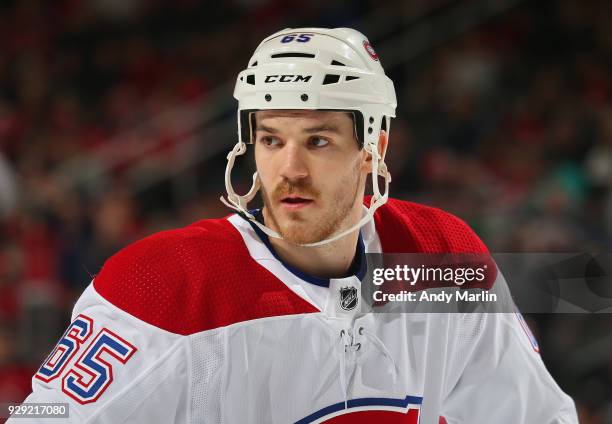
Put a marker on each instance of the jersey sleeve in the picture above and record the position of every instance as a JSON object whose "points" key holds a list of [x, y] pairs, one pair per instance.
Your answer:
{"points": [[497, 374], [111, 367]]}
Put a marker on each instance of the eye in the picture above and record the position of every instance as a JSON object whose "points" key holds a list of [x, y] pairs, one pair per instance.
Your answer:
{"points": [[318, 142], [270, 141]]}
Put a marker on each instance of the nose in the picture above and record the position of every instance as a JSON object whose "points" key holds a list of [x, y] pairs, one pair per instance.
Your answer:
{"points": [[293, 163]]}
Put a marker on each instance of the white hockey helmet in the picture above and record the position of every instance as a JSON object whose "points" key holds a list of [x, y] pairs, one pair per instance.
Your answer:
{"points": [[318, 69]]}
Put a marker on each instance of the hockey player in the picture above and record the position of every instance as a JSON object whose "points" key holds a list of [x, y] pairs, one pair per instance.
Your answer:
{"points": [[245, 319]]}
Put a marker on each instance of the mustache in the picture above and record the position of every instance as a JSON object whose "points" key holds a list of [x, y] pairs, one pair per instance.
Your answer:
{"points": [[300, 188]]}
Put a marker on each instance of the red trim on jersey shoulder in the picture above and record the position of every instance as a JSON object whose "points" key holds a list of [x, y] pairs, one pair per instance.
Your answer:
{"points": [[406, 227], [194, 279]]}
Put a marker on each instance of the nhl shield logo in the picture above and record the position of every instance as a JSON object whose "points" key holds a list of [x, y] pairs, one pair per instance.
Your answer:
{"points": [[348, 298]]}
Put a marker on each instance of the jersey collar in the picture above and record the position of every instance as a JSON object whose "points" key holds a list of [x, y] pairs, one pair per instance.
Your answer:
{"points": [[358, 267]]}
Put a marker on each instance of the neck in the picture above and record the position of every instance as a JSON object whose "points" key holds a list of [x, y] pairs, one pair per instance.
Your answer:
{"points": [[331, 260]]}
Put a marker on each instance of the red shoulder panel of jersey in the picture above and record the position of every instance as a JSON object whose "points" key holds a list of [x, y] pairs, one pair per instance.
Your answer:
{"points": [[194, 279], [407, 227]]}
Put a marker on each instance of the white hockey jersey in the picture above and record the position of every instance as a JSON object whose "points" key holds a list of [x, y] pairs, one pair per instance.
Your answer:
{"points": [[206, 325]]}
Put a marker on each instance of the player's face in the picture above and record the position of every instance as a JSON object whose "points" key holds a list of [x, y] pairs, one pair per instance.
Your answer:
{"points": [[312, 172]]}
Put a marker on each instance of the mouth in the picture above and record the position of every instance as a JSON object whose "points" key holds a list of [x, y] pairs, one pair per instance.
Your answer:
{"points": [[295, 202]]}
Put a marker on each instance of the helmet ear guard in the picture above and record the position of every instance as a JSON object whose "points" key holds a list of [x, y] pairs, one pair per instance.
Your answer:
{"points": [[317, 69]]}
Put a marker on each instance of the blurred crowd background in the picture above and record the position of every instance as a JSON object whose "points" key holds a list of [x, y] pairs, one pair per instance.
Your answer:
{"points": [[116, 116]]}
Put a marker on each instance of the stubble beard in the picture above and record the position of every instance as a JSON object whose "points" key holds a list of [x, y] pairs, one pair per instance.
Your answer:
{"points": [[303, 227]]}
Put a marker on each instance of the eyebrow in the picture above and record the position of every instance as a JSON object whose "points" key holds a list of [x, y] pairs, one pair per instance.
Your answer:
{"points": [[311, 130]]}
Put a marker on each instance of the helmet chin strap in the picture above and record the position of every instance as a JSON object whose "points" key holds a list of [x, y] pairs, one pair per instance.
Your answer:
{"points": [[239, 203]]}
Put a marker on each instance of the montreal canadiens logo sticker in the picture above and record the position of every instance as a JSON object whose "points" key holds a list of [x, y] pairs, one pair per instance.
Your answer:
{"points": [[368, 48]]}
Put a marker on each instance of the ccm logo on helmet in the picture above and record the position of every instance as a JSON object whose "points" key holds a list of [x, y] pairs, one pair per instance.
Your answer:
{"points": [[288, 78]]}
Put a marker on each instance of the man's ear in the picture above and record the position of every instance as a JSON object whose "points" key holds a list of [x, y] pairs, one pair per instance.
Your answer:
{"points": [[383, 141]]}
